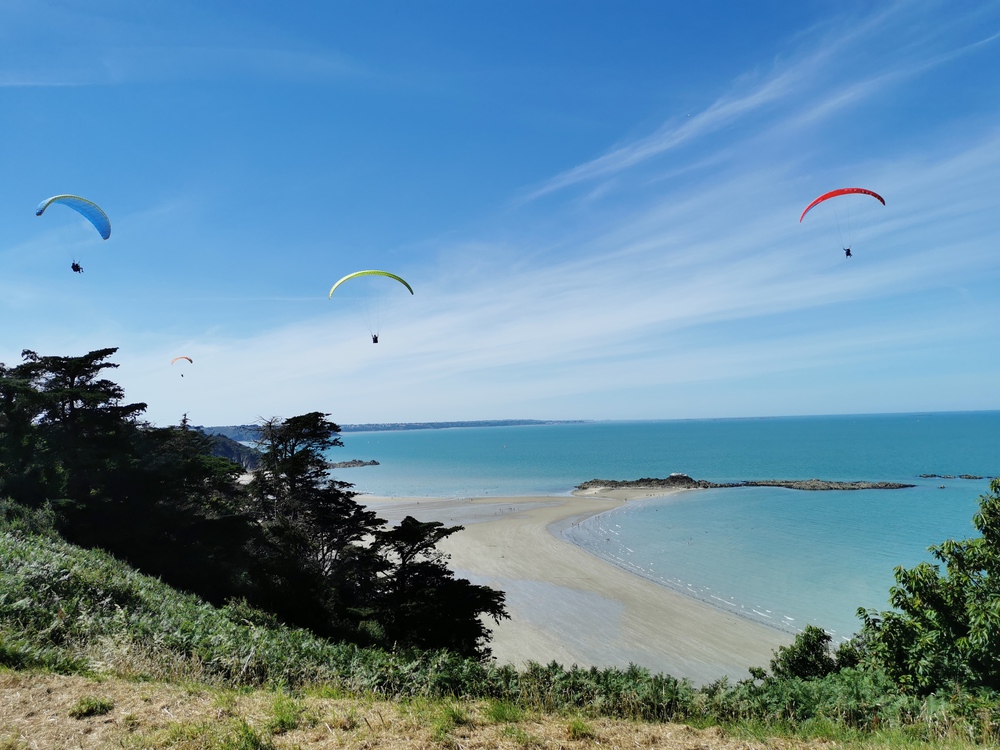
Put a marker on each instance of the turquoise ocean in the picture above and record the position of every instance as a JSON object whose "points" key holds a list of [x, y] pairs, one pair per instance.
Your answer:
{"points": [[782, 557]]}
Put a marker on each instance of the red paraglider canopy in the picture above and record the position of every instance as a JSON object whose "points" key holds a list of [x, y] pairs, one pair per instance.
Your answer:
{"points": [[841, 191]]}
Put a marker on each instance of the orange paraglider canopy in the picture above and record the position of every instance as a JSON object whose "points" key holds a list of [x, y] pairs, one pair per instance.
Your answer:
{"points": [[182, 357]]}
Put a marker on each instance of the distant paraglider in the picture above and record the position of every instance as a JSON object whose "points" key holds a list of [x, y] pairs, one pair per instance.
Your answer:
{"points": [[843, 213], [88, 209], [182, 357], [369, 301]]}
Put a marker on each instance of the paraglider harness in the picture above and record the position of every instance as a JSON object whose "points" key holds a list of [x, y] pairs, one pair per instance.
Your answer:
{"points": [[374, 338], [77, 268], [847, 252]]}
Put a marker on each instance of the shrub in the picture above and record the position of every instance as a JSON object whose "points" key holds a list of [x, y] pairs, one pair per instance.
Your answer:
{"points": [[944, 629], [808, 656]]}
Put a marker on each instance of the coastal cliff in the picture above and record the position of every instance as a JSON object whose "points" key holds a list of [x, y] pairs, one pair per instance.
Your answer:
{"points": [[245, 456]]}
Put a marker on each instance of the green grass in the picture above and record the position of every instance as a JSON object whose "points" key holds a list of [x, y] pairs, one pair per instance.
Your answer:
{"points": [[225, 702], [447, 717], [67, 610], [288, 714], [578, 729], [522, 738], [90, 706], [503, 712], [910, 737], [233, 734], [63, 608]]}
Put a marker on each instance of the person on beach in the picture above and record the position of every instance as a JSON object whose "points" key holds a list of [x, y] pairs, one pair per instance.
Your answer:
{"points": [[77, 268], [847, 252]]}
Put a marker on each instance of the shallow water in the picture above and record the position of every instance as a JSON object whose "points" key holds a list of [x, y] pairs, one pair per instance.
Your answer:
{"points": [[555, 458], [783, 557]]}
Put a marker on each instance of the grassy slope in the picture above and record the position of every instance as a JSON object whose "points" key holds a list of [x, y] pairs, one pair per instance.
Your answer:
{"points": [[105, 656], [52, 711]]}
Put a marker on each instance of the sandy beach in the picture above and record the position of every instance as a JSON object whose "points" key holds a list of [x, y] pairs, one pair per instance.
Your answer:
{"points": [[568, 605]]}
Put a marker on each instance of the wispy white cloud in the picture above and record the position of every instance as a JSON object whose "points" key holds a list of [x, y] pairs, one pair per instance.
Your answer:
{"points": [[672, 297], [802, 84], [671, 135]]}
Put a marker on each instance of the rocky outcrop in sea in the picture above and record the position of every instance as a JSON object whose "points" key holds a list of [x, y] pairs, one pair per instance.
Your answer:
{"points": [[951, 476], [683, 481], [354, 463]]}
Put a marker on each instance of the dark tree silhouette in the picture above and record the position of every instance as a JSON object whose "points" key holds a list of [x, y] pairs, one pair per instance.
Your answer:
{"points": [[294, 542], [423, 604], [315, 522]]}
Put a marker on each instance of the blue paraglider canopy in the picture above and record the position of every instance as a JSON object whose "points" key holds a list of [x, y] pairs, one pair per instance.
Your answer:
{"points": [[88, 209]]}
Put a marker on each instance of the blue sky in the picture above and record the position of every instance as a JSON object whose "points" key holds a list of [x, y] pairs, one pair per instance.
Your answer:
{"points": [[596, 204]]}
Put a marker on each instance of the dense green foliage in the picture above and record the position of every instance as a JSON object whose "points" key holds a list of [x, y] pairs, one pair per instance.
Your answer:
{"points": [[945, 628], [293, 542], [73, 610]]}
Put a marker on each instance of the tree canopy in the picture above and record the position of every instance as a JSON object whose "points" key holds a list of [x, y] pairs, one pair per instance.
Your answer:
{"points": [[293, 541], [945, 625]]}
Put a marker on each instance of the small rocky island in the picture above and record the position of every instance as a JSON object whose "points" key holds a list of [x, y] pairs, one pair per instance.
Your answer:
{"points": [[951, 476], [683, 481], [352, 464]]}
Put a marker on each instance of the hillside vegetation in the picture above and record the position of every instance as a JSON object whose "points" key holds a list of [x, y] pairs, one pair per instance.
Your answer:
{"points": [[296, 595], [72, 611], [292, 542]]}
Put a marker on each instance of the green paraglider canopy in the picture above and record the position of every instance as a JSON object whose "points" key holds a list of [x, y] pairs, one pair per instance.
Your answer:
{"points": [[369, 273], [368, 297]]}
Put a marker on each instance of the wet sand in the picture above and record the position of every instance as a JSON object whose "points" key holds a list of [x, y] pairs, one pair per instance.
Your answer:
{"points": [[568, 605]]}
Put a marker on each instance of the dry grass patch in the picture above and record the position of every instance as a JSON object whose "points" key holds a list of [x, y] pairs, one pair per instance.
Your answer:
{"points": [[35, 712]]}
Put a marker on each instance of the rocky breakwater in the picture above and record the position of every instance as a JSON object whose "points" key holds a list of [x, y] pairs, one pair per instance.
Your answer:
{"points": [[683, 481]]}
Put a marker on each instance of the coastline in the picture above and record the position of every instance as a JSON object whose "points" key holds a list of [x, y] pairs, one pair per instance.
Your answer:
{"points": [[570, 606]]}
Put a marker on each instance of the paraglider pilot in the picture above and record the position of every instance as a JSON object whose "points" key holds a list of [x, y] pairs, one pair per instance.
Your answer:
{"points": [[374, 338], [77, 268], [847, 252]]}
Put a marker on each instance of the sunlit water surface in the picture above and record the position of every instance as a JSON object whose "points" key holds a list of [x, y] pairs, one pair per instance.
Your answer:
{"points": [[783, 557]]}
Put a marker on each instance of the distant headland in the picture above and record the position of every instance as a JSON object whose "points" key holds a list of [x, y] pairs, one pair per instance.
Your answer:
{"points": [[393, 426], [683, 481], [249, 432]]}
